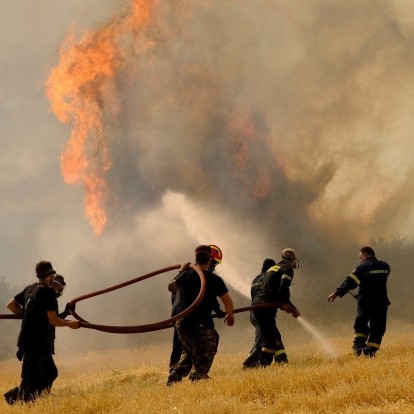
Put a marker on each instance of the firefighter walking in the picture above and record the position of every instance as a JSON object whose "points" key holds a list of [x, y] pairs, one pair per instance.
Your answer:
{"points": [[274, 288], [371, 277]]}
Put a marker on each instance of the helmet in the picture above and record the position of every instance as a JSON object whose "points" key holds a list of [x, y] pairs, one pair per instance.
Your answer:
{"points": [[216, 253], [290, 256]]}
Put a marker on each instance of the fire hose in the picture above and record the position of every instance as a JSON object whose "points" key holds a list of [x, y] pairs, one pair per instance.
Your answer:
{"points": [[168, 323]]}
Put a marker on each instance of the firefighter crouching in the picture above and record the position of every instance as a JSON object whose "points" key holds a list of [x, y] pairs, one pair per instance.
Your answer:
{"points": [[274, 288], [371, 276]]}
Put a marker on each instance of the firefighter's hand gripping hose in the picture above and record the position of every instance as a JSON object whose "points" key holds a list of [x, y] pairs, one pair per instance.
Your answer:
{"points": [[167, 323]]}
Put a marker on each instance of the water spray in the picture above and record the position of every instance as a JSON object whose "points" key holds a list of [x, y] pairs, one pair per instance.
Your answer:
{"points": [[328, 350]]}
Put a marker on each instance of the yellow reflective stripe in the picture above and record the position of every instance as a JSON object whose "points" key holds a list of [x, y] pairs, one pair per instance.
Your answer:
{"points": [[274, 268], [285, 276], [373, 345], [275, 352], [280, 352], [361, 335], [352, 276]]}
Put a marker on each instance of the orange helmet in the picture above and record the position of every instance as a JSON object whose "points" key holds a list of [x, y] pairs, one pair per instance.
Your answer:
{"points": [[216, 253]]}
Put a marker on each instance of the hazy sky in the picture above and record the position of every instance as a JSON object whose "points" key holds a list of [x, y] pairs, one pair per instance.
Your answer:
{"points": [[251, 127]]}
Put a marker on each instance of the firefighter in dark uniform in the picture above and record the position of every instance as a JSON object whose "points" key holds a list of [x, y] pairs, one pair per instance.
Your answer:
{"points": [[275, 289], [196, 330], [38, 306], [254, 359], [177, 349], [371, 276]]}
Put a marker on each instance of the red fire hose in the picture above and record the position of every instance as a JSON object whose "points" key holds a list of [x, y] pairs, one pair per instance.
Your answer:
{"points": [[141, 328], [168, 323]]}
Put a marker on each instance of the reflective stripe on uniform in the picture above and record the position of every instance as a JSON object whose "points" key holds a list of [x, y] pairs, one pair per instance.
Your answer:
{"points": [[352, 276], [285, 276], [373, 345], [280, 352], [274, 269], [360, 335], [275, 352]]}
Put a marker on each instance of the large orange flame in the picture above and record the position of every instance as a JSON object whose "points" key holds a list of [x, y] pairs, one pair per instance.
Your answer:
{"points": [[82, 92]]}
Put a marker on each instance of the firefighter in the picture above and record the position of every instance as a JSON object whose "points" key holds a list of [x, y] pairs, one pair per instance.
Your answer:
{"points": [[254, 359], [371, 276], [177, 349], [275, 289], [38, 306], [196, 330]]}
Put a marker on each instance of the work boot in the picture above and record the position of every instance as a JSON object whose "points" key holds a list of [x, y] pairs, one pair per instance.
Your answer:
{"points": [[252, 360], [172, 379], [281, 359], [358, 346], [369, 352], [12, 396], [197, 377], [357, 350]]}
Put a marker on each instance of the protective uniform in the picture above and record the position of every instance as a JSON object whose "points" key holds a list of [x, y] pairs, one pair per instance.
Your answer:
{"points": [[273, 289], [177, 350], [196, 330], [255, 357], [38, 368], [371, 276]]}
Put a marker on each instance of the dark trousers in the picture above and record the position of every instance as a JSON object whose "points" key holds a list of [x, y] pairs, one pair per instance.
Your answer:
{"points": [[370, 323], [255, 355], [272, 339], [38, 373]]}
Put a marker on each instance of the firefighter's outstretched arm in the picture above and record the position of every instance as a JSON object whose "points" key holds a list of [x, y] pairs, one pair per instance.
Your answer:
{"points": [[350, 282]]}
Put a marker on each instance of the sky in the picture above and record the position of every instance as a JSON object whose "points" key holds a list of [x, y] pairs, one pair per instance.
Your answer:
{"points": [[133, 131]]}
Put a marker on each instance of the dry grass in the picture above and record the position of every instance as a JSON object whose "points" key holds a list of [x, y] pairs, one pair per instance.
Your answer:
{"points": [[133, 381]]}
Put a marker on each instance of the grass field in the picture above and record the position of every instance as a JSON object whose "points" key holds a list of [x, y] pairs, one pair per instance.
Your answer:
{"points": [[133, 381]]}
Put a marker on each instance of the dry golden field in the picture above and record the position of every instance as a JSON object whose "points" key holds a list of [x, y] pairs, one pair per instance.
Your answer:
{"points": [[133, 381]]}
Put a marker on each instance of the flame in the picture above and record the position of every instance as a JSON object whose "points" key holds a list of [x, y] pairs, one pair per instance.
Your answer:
{"points": [[82, 91]]}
